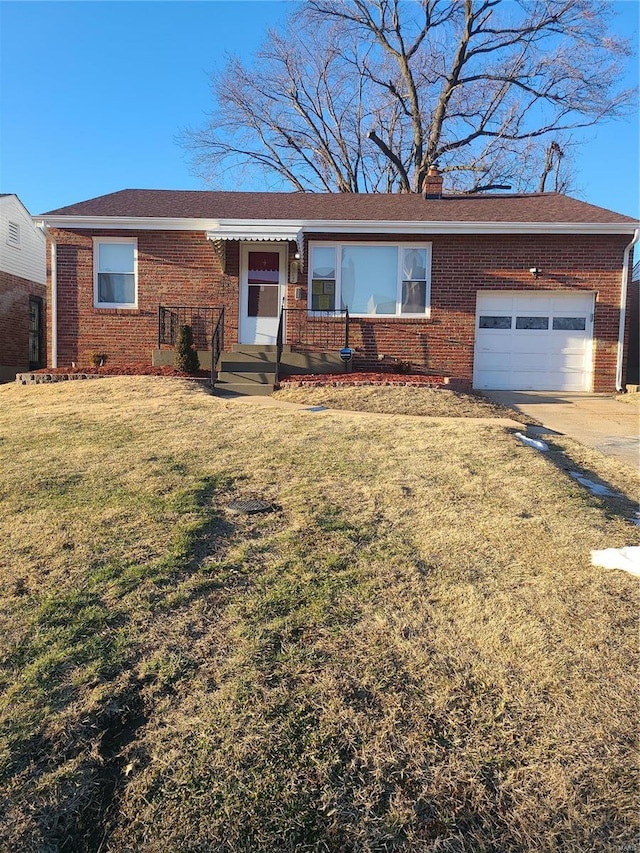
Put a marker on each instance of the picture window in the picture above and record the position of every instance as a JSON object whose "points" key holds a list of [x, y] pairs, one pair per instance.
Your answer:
{"points": [[379, 279]]}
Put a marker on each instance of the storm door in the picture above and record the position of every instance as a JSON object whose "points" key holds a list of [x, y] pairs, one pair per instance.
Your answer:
{"points": [[262, 286]]}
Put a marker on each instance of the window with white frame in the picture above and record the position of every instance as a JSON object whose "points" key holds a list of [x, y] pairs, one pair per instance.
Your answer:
{"points": [[384, 279], [115, 261]]}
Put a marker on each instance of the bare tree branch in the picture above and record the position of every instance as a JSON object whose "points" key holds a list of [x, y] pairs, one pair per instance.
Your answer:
{"points": [[482, 87], [404, 186]]}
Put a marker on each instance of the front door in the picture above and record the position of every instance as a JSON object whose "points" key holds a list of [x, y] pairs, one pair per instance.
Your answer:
{"points": [[262, 285]]}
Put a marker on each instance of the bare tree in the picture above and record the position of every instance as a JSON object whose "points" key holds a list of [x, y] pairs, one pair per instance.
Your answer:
{"points": [[298, 115], [367, 95]]}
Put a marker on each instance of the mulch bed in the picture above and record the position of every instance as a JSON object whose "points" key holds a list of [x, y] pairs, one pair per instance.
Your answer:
{"points": [[138, 369], [336, 380], [331, 380]]}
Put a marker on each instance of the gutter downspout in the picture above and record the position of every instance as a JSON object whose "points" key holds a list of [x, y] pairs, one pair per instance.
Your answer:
{"points": [[623, 308], [54, 293]]}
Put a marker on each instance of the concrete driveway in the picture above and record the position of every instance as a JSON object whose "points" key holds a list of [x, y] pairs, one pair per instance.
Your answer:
{"points": [[596, 420]]}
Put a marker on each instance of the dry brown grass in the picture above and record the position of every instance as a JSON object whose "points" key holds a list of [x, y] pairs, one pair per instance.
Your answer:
{"points": [[403, 400], [412, 653], [570, 455], [631, 399]]}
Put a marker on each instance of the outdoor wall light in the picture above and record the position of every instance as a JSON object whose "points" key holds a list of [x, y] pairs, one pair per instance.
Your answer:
{"points": [[294, 268], [535, 271]]}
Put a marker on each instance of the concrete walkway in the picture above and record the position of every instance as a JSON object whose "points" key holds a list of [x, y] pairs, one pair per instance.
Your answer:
{"points": [[596, 420]]}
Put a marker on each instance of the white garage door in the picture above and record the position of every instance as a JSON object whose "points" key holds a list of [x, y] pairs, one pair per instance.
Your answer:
{"points": [[531, 341]]}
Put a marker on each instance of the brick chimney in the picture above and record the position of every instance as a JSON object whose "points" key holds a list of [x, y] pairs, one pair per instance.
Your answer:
{"points": [[432, 185]]}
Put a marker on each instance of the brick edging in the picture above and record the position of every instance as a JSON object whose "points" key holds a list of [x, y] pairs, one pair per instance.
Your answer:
{"points": [[42, 378]]}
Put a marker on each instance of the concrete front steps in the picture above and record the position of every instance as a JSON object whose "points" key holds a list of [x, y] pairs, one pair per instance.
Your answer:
{"points": [[251, 369], [247, 370]]}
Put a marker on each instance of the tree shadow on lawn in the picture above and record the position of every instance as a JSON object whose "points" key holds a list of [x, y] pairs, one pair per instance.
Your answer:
{"points": [[617, 504], [68, 749]]}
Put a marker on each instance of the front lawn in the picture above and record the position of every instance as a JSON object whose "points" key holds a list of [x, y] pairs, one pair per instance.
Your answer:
{"points": [[416, 400], [410, 652]]}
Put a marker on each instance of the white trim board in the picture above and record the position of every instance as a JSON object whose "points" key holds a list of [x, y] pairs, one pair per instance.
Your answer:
{"points": [[215, 228]]}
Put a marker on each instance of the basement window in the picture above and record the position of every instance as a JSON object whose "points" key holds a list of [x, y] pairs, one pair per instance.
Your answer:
{"points": [[115, 275], [371, 279]]}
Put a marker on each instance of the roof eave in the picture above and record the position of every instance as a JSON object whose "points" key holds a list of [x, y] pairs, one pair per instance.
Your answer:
{"points": [[141, 223]]}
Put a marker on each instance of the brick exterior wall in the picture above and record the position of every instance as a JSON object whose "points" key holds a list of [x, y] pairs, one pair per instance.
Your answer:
{"points": [[174, 268], [14, 323], [183, 268], [463, 265]]}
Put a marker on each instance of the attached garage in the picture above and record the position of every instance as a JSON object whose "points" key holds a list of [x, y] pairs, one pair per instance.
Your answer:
{"points": [[532, 341]]}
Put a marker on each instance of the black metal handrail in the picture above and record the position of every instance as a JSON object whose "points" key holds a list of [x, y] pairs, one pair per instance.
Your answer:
{"points": [[217, 343], [202, 319], [279, 343], [316, 330]]}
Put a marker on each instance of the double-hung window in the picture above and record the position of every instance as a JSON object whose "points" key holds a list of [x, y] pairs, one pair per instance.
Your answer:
{"points": [[383, 279], [115, 261]]}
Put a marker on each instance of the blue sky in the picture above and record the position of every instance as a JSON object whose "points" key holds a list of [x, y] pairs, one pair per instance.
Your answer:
{"points": [[93, 94]]}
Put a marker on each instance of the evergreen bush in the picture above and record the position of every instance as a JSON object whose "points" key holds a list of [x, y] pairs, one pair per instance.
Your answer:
{"points": [[186, 359]]}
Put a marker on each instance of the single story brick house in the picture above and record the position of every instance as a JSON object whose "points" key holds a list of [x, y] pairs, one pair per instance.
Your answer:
{"points": [[501, 291], [22, 290]]}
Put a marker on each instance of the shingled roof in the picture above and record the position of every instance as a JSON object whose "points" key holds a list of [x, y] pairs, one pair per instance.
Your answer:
{"points": [[209, 205]]}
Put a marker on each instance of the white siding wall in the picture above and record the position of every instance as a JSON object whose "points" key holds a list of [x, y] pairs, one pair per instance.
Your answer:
{"points": [[28, 260]]}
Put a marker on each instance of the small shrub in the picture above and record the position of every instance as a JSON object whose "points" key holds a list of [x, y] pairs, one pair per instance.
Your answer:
{"points": [[98, 358], [402, 367], [186, 359]]}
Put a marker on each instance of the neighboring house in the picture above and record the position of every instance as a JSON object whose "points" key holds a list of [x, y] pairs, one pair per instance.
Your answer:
{"points": [[500, 291], [22, 290]]}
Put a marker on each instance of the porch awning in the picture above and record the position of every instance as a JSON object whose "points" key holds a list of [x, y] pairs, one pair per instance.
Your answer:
{"points": [[258, 232]]}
